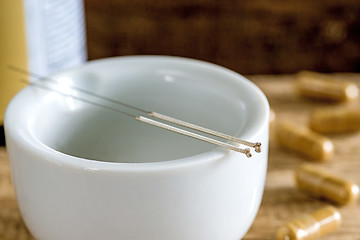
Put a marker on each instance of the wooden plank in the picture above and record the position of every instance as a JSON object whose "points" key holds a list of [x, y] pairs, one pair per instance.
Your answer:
{"points": [[11, 225], [281, 201]]}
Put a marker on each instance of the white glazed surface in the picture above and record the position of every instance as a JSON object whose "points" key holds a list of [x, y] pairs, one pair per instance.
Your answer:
{"points": [[180, 189]]}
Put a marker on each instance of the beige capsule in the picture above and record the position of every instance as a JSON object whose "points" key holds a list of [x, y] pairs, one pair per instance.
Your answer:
{"points": [[272, 117], [326, 185], [311, 226], [335, 120], [323, 87], [304, 141]]}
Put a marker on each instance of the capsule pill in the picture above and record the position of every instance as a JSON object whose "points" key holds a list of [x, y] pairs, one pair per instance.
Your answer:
{"points": [[304, 141], [272, 117], [322, 87], [335, 120], [311, 226], [325, 185]]}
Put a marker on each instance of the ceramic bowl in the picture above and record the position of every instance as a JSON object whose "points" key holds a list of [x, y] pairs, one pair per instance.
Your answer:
{"points": [[82, 171]]}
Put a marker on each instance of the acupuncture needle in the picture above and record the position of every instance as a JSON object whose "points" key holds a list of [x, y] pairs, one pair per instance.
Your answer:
{"points": [[256, 145], [146, 120]]}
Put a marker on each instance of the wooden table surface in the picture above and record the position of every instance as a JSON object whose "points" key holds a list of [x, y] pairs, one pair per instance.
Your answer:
{"points": [[281, 201]]}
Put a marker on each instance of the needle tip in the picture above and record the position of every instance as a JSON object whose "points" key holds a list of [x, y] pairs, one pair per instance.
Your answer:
{"points": [[258, 147], [247, 152]]}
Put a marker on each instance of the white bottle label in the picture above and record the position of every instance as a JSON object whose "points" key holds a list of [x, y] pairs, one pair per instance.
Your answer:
{"points": [[55, 32]]}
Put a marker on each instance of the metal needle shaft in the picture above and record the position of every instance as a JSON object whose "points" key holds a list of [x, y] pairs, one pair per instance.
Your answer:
{"points": [[256, 145], [150, 121], [246, 151]]}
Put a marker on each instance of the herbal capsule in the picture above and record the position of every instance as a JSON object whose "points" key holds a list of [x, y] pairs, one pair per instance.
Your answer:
{"points": [[322, 87], [335, 120], [326, 185], [304, 141], [311, 226], [272, 117]]}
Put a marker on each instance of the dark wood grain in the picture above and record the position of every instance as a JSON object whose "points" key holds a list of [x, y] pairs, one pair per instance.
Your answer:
{"points": [[250, 37]]}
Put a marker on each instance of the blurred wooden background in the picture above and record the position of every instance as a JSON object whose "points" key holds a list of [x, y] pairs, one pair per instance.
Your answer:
{"points": [[248, 36]]}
